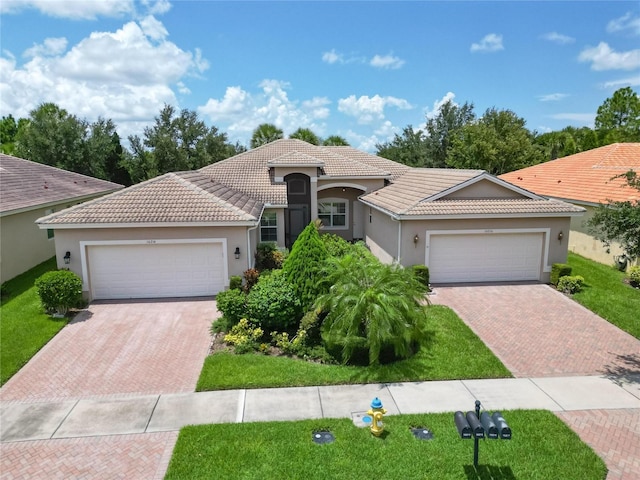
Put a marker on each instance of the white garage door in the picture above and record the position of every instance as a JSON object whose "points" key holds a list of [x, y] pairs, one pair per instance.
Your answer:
{"points": [[156, 270], [485, 257]]}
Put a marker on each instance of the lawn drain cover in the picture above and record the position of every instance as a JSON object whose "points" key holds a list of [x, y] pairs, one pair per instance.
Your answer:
{"points": [[322, 437], [422, 433]]}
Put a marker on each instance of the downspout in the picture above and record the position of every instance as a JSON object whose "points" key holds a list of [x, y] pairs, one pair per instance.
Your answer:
{"points": [[399, 238], [249, 256]]}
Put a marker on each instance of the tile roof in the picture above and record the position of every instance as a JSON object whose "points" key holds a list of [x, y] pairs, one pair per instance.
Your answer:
{"points": [[182, 197], [585, 176], [25, 184], [418, 193]]}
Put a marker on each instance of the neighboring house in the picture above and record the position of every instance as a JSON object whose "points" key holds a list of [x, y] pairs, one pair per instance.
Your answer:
{"points": [[186, 233], [29, 190], [585, 179]]}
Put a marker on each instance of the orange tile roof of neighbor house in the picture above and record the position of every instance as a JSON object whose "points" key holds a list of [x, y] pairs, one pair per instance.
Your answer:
{"points": [[583, 177]]}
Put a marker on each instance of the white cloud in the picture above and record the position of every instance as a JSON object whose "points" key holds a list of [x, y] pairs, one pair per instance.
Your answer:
{"points": [[626, 22], [552, 97], [367, 109], [332, 57], [582, 118], [604, 57], [437, 105], [558, 38], [124, 75], [386, 61], [490, 43], [623, 82], [243, 111], [157, 7], [76, 10], [153, 28], [50, 46]]}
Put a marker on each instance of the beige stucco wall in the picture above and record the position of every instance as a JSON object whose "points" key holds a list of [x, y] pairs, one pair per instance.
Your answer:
{"points": [[483, 189], [69, 240], [582, 243], [382, 235], [22, 244]]}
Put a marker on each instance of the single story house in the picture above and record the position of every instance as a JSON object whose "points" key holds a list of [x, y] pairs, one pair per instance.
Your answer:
{"points": [[186, 233], [585, 179], [29, 190]]}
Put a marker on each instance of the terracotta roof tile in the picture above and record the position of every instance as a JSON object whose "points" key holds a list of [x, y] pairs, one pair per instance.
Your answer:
{"points": [[585, 177], [497, 207], [25, 184], [183, 197]]}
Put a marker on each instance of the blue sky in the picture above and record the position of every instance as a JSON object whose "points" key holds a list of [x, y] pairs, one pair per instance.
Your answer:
{"points": [[362, 70]]}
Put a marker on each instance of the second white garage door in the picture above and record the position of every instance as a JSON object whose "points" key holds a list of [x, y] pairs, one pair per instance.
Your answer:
{"points": [[156, 270], [480, 257]]}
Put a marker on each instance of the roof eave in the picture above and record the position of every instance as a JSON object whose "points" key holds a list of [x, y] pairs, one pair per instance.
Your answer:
{"points": [[81, 198], [466, 216], [72, 226]]}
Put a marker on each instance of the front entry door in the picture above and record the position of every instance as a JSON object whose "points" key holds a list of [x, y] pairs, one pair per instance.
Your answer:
{"points": [[297, 218]]}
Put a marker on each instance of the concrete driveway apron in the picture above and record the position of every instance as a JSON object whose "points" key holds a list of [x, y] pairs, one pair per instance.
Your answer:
{"points": [[538, 332]]}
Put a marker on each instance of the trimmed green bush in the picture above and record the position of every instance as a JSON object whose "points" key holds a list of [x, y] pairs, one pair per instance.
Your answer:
{"points": [[235, 282], [559, 270], [569, 284], [273, 304], [232, 304], [422, 273], [304, 265], [244, 337], [59, 291], [269, 256], [634, 276]]}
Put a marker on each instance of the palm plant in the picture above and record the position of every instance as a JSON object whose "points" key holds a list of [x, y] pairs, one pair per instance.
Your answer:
{"points": [[265, 133], [372, 309]]}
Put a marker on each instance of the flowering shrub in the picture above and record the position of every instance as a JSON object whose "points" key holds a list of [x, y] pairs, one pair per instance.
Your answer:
{"points": [[634, 276], [244, 337]]}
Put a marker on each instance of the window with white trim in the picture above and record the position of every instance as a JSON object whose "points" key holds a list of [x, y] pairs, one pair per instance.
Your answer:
{"points": [[269, 227], [50, 231], [334, 213]]}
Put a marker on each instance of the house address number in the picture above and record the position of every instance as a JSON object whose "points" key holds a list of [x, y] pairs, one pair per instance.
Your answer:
{"points": [[151, 241]]}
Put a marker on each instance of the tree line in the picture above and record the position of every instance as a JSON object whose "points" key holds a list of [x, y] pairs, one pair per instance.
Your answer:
{"points": [[497, 141]]}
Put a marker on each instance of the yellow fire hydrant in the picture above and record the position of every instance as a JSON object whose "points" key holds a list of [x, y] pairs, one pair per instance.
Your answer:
{"points": [[376, 413]]}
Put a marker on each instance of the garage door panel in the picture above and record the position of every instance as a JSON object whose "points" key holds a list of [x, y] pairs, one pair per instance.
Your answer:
{"points": [[470, 257], [156, 270]]}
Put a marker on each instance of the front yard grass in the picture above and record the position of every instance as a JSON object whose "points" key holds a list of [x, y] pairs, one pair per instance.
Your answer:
{"points": [[605, 293], [542, 447], [24, 327], [452, 352]]}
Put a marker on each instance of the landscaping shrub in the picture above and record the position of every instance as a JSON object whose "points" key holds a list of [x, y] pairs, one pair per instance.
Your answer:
{"points": [[235, 282], [634, 276], [269, 256], [232, 304], [59, 291], [422, 274], [244, 337], [374, 312], [251, 277], [304, 265], [569, 284], [336, 245], [559, 270], [273, 304]]}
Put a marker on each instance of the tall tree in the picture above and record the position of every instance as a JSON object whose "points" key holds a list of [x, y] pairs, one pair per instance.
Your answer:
{"points": [[619, 221], [618, 118], [176, 142], [306, 135], [498, 143], [335, 141], [409, 148], [441, 129], [8, 132], [265, 133]]}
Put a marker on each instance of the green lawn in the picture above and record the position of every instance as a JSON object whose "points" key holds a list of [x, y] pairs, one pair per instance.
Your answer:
{"points": [[542, 447], [605, 294], [24, 327], [452, 352]]}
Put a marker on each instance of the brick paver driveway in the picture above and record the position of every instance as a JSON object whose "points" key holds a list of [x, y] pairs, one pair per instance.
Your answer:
{"points": [[538, 332], [112, 349], [143, 347]]}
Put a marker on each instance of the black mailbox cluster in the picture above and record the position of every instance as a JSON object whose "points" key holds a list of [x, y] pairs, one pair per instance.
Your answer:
{"points": [[476, 425]]}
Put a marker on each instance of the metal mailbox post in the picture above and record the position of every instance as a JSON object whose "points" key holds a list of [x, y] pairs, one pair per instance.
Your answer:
{"points": [[479, 426]]}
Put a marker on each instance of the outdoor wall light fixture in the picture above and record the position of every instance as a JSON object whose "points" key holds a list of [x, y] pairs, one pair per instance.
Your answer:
{"points": [[560, 236], [67, 258], [416, 238], [237, 253]]}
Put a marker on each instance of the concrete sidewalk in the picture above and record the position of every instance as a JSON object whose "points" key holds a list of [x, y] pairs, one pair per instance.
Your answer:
{"points": [[126, 415]]}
